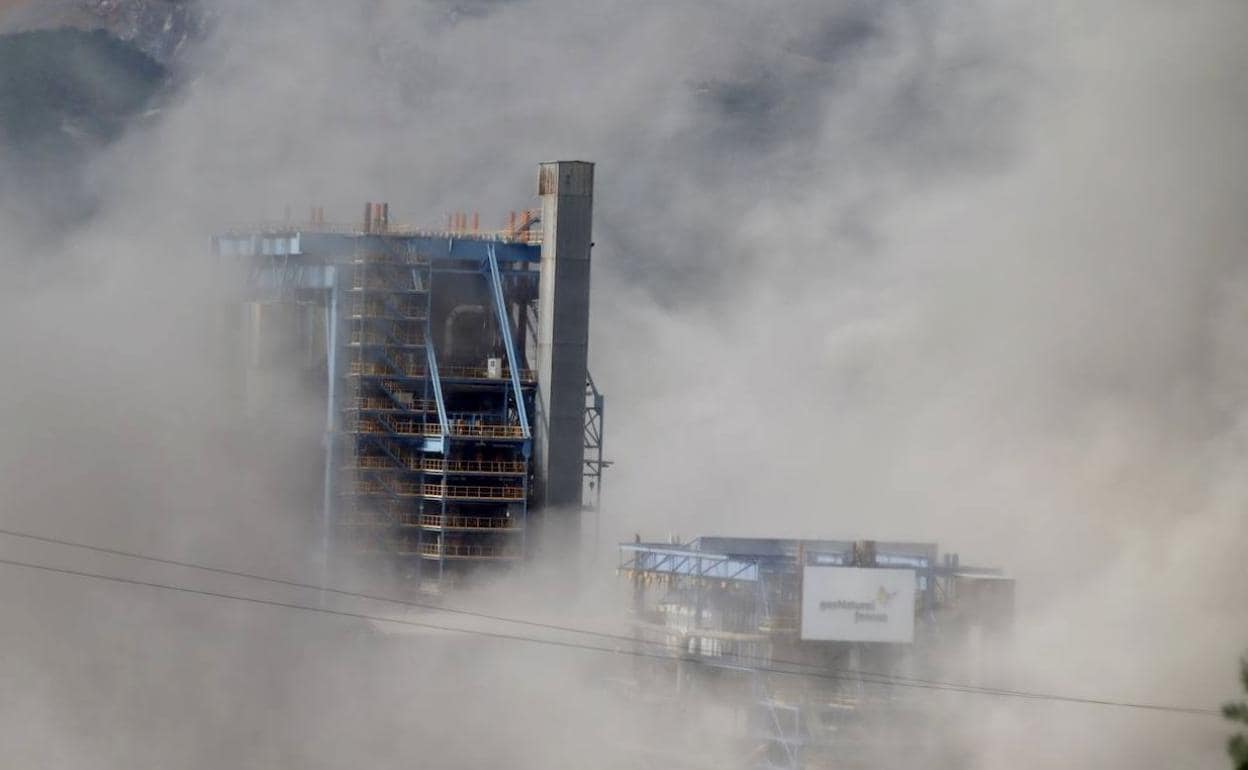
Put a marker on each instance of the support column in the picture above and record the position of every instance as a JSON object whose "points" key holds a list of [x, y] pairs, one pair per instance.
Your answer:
{"points": [[331, 430], [567, 192]]}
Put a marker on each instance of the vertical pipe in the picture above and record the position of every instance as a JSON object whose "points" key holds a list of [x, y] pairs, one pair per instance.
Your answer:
{"points": [[524, 510], [518, 320], [599, 402], [331, 410], [427, 282]]}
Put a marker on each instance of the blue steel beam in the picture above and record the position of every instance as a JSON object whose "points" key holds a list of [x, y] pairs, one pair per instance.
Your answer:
{"points": [[316, 276], [432, 247], [435, 383], [504, 323], [330, 247], [669, 560]]}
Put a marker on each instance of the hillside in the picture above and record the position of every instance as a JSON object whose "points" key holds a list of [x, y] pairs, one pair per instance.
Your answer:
{"points": [[158, 28], [57, 85], [63, 95]]}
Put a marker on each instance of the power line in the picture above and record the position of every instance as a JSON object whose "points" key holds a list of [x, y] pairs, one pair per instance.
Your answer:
{"points": [[874, 677], [594, 648], [871, 676], [455, 610], [309, 586]]}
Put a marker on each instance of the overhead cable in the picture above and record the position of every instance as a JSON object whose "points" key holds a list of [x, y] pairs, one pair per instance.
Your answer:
{"points": [[831, 675]]}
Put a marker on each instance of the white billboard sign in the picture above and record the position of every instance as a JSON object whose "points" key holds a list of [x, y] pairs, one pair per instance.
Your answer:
{"points": [[856, 604]]}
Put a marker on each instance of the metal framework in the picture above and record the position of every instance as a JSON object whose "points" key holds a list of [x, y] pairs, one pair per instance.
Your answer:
{"points": [[594, 462], [676, 561], [731, 605], [428, 454]]}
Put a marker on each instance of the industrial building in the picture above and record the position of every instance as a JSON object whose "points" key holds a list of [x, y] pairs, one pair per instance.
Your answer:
{"points": [[795, 633], [460, 418]]}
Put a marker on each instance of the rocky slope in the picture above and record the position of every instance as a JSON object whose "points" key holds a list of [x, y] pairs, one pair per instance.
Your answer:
{"points": [[159, 28], [64, 95]]}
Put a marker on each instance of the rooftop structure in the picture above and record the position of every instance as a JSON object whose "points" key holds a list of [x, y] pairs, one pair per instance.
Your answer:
{"points": [[459, 406], [750, 612]]}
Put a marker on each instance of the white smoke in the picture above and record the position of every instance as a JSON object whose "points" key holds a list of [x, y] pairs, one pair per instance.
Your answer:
{"points": [[963, 272]]}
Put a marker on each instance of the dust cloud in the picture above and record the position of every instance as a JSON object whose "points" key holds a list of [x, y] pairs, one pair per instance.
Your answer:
{"points": [[968, 272]]}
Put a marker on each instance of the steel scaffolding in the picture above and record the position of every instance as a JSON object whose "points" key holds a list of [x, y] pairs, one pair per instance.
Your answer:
{"points": [[436, 343]]}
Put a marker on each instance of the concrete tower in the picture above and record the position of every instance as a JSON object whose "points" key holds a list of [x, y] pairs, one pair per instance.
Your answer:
{"points": [[567, 192]]}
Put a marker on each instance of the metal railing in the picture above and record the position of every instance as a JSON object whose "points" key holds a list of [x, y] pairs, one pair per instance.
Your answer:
{"points": [[373, 462], [412, 461], [405, 426], [439, 491], [451, 551], [482, 373], [485, 429], [483, 467], [373, 368], [401, 459], [359, 307], [374, 337], [379, 404], [366, 519], [402, 426], [438, 521], [366, 278], [531, 235], [527, 376]]}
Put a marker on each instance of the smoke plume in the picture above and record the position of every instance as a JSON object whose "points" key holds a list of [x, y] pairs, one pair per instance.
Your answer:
{"points": [[968, 272]]}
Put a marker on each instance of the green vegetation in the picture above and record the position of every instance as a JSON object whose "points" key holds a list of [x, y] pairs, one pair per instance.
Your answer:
{"points": [[1238, 712]]}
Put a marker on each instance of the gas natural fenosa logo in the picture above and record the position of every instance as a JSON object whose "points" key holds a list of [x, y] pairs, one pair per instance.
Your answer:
{"points": [[865, 612]]}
